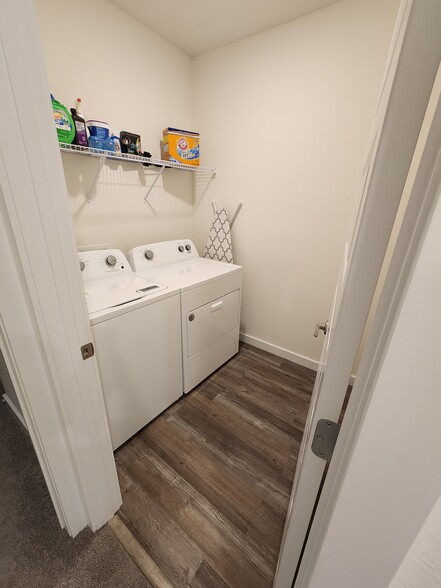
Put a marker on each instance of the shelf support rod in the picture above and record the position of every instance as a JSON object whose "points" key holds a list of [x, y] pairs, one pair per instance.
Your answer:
{"points": [[95, 179], [154, 182], [234, 217], [205, 190]]}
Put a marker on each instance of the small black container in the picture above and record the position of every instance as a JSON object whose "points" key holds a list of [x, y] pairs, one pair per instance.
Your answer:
{"points": [[130, 143]]}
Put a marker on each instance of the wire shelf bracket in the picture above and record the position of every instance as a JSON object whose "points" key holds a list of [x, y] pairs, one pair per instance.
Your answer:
{"points": [[208, 184], [157, 176], [95, 179]]}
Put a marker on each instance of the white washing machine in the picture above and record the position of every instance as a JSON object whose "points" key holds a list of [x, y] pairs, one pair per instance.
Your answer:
{"points": [[137, 337], [210, 302]]}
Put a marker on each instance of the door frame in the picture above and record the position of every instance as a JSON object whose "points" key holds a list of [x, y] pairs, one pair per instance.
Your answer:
{"points": [[65, 414], [44, 320], [423, 192], [411, 70]]}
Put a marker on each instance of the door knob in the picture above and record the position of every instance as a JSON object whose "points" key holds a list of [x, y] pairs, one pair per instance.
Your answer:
{"points": [[321, 327]]}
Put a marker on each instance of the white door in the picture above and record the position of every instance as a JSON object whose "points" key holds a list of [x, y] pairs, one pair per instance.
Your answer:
{"points": [[43, 314], [410, 72]]}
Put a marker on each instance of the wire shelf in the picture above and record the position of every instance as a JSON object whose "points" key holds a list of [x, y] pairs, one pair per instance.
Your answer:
{"points": [[103, 155], [126, 157]]}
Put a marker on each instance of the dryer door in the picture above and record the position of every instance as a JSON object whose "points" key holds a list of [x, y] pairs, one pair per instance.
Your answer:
{"points": [[212, 321]]}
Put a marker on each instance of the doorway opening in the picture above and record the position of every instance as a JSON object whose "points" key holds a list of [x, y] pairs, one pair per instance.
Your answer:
{"points": [[184, 505]]}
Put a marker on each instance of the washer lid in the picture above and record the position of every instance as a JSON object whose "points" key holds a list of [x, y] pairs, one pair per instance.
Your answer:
{"points": [[112, 292], [191, 274], [203, 270]]}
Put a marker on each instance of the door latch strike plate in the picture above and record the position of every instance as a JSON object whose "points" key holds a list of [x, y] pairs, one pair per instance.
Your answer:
{"points": [[325, 438], [87, 350]]}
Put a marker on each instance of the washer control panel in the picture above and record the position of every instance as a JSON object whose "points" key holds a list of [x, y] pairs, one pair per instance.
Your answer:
{"points": [[103, 263], [153, 255]]}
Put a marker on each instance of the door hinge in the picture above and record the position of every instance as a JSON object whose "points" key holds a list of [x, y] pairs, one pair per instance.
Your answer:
{"points": [[87, 350], [325, 438]]}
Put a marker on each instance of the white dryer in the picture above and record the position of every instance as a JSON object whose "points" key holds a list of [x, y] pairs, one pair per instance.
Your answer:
{"points": [[137, 337], [210, 302]]}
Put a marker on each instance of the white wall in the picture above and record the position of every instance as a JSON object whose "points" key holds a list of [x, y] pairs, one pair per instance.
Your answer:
{"points": [[285, 116], [422, 565], [133, 79], [394, 480]]}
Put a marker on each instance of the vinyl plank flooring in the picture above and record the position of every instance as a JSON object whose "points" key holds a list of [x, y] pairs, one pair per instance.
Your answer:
{"points": [[261, 417], [199, 520], [206, 485], [155, 525], [246, 430], [255, 394], [286, 380], [206, 576], [267, 527], [204, 469], [245, 457], [244, 471]]}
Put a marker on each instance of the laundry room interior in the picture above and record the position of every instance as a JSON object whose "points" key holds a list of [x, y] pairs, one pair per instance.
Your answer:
{"points": [[284, 115]]}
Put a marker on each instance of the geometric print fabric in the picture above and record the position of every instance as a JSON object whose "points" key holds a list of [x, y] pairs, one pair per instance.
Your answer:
{"points": [[219, 238]]}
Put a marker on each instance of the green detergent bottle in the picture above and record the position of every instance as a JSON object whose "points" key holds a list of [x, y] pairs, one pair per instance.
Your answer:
{"points": [[63, 122]]}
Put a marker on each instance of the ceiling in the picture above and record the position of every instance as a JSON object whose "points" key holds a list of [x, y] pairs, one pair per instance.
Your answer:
{"points": [[197, 26]]}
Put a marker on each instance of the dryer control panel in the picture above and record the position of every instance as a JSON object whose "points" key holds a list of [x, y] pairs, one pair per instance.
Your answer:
{"points": [[154, 255], [103, 263]]}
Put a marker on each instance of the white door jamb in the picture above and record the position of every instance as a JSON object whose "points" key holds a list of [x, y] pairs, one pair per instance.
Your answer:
{"points": [[63, 405], [425, 189]]}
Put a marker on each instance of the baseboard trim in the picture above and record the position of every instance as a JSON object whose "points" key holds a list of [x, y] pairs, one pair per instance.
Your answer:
{"points": [[14, 410], [280, 351], [285, 353]]}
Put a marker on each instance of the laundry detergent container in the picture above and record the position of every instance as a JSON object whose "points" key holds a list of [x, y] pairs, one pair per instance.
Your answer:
{"points": [[98, 128]]}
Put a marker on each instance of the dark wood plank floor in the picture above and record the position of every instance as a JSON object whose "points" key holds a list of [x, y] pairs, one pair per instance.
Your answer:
{"points": [[206, 486]]}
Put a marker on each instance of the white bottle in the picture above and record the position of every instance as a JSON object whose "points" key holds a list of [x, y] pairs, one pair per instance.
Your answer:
{"points": [[79, 108]]}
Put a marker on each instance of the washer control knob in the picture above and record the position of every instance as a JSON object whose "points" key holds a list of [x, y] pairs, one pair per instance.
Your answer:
{"points": [[111, 260], [148, 254], [82, 265], [181, 248], [188, 247]]}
